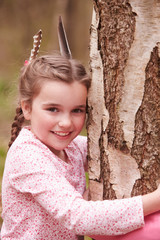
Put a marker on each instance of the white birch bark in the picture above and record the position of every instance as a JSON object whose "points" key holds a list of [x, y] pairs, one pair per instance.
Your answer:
{"points": [[123, 71]]}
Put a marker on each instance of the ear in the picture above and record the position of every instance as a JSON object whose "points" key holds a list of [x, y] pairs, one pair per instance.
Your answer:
{"points": [[26, 108]]}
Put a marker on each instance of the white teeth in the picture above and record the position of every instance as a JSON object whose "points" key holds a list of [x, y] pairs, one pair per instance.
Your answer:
{"points": [[61, 133]]}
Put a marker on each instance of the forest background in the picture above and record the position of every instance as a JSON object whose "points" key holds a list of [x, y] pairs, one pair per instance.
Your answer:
{"points": [[19, 21]]}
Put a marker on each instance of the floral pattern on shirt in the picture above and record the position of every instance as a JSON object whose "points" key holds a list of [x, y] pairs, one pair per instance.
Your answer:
{"points": [[42, 196]]}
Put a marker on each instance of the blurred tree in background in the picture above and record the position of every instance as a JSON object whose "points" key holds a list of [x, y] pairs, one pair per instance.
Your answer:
{"points": [[19, 21]]}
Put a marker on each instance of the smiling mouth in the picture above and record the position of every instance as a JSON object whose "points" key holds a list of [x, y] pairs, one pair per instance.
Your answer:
{"points": [[62, 134]]}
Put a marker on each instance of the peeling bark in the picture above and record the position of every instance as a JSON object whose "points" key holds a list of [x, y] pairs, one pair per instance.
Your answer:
{"points": [[116, 33], [96, 112], [146, 145], [124, 109]]}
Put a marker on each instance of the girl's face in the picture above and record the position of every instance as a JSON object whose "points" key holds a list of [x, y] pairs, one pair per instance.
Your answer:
{"points": [[57, 114]]}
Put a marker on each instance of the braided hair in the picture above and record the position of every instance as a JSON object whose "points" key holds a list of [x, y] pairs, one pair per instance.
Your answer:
{"points": [[16, 125], [36, 73]]}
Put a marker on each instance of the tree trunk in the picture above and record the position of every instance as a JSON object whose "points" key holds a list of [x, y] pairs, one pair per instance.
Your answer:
{"points": [[124, 99]]}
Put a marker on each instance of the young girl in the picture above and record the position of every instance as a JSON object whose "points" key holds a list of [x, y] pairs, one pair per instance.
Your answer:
{"points": [[44, 175]]}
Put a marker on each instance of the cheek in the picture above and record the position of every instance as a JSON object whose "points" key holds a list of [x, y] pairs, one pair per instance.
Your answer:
{"points": [[80, 122], [46, 118], [42, 123]]}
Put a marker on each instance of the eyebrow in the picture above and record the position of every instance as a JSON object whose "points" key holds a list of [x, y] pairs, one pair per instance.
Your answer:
{"points": [[80, 106], [59, 105]]}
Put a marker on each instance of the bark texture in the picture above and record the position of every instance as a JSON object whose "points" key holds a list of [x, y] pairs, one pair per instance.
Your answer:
{"points": [[123, 125], [97, 113], [146, 145]]}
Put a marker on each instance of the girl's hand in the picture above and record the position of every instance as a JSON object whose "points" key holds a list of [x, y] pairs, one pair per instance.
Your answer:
{"points": [[151, 202], [86, 195]]}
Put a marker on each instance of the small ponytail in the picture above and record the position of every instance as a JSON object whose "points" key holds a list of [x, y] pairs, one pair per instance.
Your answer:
{"points": [[16, 125]]}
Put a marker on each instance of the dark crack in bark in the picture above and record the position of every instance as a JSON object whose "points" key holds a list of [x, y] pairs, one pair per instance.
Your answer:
{"points": [[146, 144], [115, 36]]}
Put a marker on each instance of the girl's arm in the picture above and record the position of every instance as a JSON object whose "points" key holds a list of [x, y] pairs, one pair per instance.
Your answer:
{"points": [[39, 177], [151, 202], [151, 228]]}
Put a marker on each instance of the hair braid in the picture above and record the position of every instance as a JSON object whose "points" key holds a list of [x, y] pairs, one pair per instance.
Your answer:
{"points": [[16, 125], [36, 73]]}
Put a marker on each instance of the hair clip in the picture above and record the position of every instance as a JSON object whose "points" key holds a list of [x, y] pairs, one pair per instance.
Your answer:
{"points": [[26, 62]]}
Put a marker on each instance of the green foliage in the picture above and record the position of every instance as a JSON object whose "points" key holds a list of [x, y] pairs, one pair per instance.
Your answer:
{"points": [[87, 179], [4, 86], [7, 96], [3, 151]]}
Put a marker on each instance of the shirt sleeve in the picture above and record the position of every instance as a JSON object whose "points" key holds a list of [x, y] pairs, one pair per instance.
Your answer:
{"points": [[36, 175], [151, 230]]}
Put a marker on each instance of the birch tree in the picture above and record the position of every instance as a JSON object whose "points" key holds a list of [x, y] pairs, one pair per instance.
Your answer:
{"points": [[124, 99]]}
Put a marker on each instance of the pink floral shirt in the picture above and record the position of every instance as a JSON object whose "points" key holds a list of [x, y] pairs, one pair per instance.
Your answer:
{"points": [[42, 196]]}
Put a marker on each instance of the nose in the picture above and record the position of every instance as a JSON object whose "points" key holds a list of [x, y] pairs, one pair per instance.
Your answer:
{"points": [[65, 121]]}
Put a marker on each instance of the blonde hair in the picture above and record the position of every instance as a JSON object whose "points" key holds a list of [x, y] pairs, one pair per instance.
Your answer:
{"points": [[39, 70]]}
